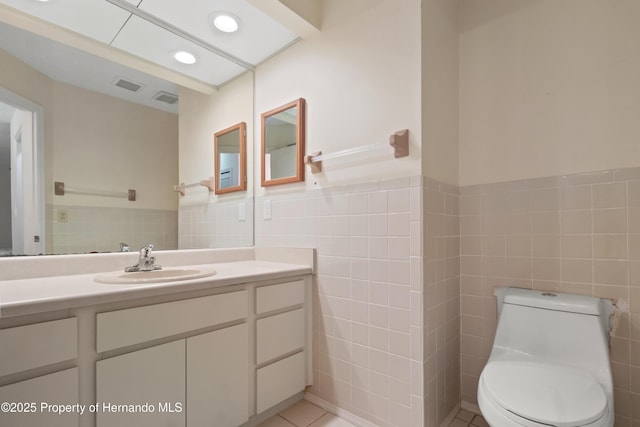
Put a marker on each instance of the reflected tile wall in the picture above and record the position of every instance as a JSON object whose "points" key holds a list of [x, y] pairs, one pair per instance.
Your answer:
{"points": [[216, 225], [80, 229], [577, 234]]}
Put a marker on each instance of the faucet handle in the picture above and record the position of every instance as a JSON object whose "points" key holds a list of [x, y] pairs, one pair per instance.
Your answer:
{"points": [[146, 262]]}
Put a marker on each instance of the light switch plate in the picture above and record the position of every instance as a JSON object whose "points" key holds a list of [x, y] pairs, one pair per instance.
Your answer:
{"points": [[63, 215], [266, 209]]}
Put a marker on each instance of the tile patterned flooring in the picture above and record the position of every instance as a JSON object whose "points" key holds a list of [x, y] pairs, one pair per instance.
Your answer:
{"points": [[306, 414], [468, 419]]}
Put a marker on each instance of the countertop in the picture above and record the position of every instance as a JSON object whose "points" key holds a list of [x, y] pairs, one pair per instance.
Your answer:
{"points": [[43, 294]]}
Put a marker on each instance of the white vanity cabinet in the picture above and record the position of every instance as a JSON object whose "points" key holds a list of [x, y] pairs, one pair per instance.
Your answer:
{"points": [[199, 380], [202, 379], [27, 397], [40, 356], [218, 377], [256, 356], [225, 352], [282, 330], [131, 387]]}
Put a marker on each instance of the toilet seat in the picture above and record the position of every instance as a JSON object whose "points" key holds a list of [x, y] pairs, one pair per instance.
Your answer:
{"points": [[537, 393]]}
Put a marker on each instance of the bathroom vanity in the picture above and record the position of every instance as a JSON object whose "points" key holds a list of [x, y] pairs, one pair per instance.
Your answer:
{"points": [[225, 350]]}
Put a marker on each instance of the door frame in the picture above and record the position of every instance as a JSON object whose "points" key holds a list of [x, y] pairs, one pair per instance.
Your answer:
{"points": [[34, 223]]}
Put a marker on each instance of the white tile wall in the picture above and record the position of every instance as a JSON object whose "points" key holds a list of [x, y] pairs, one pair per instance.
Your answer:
{"points": [[216, 225], [369, 326], [441, 301], [97, 229]]}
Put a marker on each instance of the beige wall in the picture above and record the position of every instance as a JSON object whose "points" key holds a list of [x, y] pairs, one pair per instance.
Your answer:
{"points": [[361, 79], [107, 143], [439, 78], [23, 80], [121, 145], [201, 116], [207, 220], [547, 88]]}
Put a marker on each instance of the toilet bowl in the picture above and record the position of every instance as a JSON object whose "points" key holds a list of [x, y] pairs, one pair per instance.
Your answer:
{"points": [[549, 365]]}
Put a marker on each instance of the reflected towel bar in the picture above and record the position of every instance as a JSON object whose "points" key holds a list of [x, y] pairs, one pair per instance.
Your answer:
{"points": [[399, 141], [59, 189], [205, 182]]}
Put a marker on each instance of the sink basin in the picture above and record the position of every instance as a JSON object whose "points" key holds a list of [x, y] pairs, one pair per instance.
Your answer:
{"points": [[156, 276]]}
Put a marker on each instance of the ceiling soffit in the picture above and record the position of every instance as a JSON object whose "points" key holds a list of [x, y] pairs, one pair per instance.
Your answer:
{"points": [[154, 29]]}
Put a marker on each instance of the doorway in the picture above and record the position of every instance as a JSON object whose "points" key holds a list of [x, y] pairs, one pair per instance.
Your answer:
{"points": [[22, 210]]}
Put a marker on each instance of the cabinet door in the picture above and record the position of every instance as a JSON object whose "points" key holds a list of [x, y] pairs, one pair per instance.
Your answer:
{"points": [[60, 388], [149, 386], [218, 378]]}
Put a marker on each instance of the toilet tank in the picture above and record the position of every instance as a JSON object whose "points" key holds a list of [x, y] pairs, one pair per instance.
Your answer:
{"points": [[555, 328]]}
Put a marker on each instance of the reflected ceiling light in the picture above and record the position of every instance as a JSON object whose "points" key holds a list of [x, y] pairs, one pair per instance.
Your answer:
{"points": [[185, 57], [226, 22]]}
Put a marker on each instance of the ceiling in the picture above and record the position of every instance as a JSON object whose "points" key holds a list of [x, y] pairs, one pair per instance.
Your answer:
{"points": [[149, 29], [78, 68]]}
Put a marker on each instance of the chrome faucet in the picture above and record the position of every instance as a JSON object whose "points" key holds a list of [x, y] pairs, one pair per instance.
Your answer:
{"points": [[146, 262]]}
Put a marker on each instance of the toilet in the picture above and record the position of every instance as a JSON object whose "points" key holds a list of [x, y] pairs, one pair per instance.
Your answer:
{"points": [[549, 365]]}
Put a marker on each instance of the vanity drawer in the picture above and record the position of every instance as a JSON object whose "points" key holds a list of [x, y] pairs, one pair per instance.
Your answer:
{"points": [[279, 296], [121, 328], [280, 381], [58, 388], [41, 344], [280, 334]]}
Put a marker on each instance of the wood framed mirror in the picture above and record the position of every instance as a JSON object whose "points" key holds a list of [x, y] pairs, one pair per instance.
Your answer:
{"points": [[231, 159], [282, 143]]}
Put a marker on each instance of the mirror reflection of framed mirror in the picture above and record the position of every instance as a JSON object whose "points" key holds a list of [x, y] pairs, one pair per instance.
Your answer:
{"points": [[283, 132], [231, 159]]}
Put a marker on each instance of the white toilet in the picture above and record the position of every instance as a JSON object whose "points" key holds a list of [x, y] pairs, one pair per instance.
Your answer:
{"points": [[549, 365]]}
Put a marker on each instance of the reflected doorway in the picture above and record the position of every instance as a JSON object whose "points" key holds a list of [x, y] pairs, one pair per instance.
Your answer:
{"points": [[6, 112], [21, 176]]}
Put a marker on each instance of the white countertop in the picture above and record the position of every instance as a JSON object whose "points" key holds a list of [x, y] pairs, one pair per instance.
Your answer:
{"points": [[42, 294]]}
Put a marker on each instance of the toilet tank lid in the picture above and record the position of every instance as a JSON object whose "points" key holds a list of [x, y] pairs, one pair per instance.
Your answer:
{"points": [[553, 301]]}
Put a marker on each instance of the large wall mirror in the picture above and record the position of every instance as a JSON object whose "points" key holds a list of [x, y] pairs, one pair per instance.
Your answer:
{"points": [[108, 80], [282, 144], [93, 140], [230, 147], [97, 140]]}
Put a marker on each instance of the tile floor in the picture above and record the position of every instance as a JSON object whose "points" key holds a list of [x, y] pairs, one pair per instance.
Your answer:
{"points": [[305, 414], [468, 419]]}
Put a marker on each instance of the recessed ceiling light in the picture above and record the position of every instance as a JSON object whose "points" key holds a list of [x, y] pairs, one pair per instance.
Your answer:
{"points": [[185, 57], [226, 22]]}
